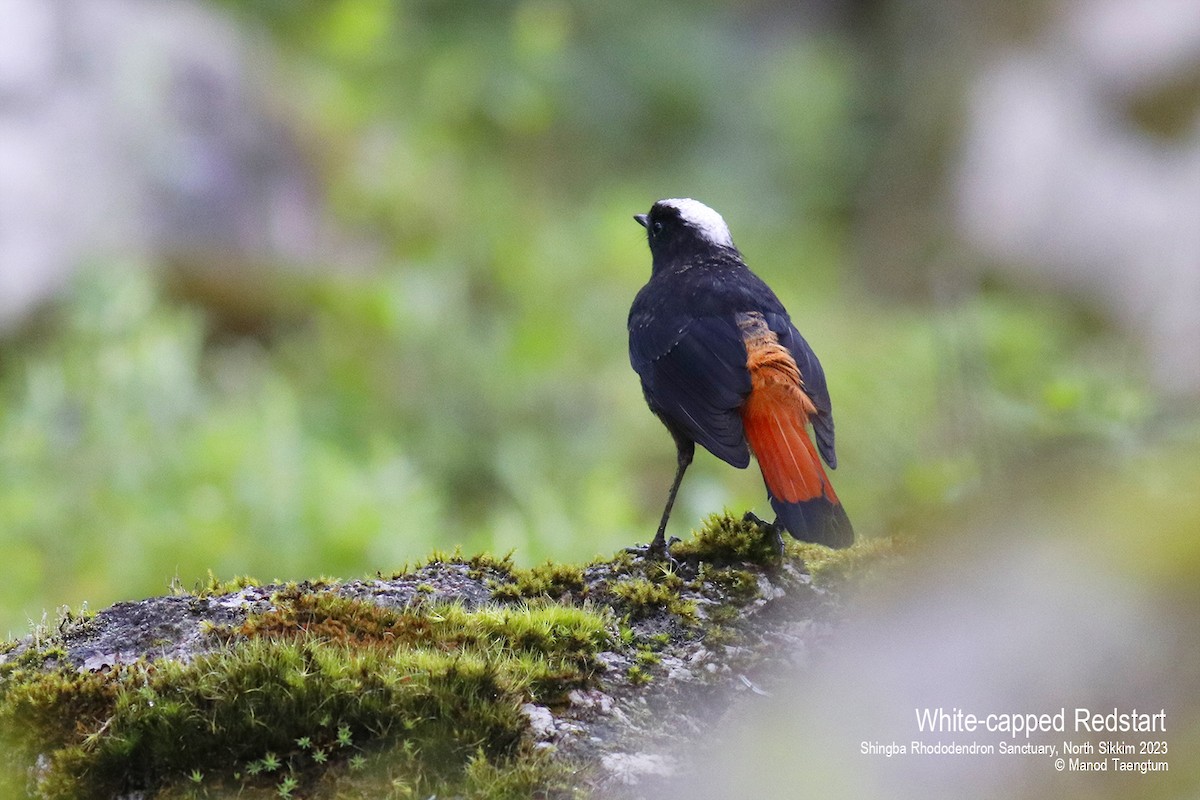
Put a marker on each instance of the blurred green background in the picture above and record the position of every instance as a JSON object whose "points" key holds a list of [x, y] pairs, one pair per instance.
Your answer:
{"points": [[466, 381]]}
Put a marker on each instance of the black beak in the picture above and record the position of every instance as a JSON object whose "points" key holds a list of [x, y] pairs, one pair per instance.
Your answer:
{"points": [[641, 219]]}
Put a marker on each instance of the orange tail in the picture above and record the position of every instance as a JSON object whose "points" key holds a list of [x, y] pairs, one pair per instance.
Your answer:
{"points": [[788, 459], [775, 418]]}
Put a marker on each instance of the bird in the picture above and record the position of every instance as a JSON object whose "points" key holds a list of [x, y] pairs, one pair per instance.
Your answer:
{"points": [[722, 365]]}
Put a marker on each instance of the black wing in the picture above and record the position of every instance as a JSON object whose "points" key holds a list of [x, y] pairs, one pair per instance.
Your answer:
{"points": [[694, 376]]}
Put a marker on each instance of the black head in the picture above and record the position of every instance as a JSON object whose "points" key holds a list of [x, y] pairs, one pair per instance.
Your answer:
{"points": [[683, 227]]}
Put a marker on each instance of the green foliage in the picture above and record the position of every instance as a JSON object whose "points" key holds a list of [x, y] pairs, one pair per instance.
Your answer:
{"points": [[470, 385], [129, 452]]}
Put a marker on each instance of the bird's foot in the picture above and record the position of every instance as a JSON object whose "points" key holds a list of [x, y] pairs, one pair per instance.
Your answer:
{"points": [[773, 532], [657, 550]]}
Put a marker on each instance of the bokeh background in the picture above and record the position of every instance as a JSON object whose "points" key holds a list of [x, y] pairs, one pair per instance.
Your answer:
{"points": [[293, 288]]}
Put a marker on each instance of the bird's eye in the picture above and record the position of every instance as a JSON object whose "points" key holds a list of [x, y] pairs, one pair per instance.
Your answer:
{"points": [[657, 228]]}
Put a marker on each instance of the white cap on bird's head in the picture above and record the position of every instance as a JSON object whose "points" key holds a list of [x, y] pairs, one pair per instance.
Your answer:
{"points": [[707, 223]]}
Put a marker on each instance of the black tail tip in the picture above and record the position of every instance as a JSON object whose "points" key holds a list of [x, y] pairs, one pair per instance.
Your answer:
{"points": [[817, 520]]}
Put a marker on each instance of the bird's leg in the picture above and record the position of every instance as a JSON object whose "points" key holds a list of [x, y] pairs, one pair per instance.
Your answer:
{"points": [[772, 530], [685, 450], [660, 542]]}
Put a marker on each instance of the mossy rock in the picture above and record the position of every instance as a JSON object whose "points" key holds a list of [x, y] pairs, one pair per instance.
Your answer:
{"points": [[465, 677]]}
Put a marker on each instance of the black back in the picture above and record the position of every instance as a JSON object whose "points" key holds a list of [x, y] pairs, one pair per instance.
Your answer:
{"points": [[685, 344]]}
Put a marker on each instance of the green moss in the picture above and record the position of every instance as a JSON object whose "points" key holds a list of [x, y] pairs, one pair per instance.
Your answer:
{"points": [[830, 567], [647, 658], [550, 648], [33, 658], [544, 580], [739, 585], [719, 635], [643, 596], [657, 641], [75, 623], [724, 539], [627, 636], [214, 586], [638, 676], [480, 565], [725, 545], [621, 563], [483, 563], [320, 679], [387, 775]]}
